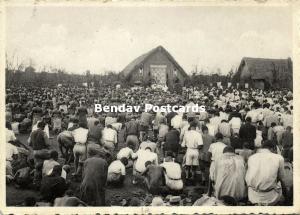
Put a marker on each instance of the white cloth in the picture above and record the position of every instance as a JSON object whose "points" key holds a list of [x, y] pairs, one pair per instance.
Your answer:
{"points": [[176, 121], [264, 169], [173, 175], [109, 135], [10, 151], [142, 157], [235, 123], [80, 135], [10, 135], [125, 153], [116, 167], [192, 139]]}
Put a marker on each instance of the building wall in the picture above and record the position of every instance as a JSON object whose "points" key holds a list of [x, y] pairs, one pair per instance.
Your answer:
{"points": [[157, 58]]}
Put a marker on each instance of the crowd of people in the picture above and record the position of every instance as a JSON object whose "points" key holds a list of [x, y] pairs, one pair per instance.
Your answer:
{"points": [[239, 150]]}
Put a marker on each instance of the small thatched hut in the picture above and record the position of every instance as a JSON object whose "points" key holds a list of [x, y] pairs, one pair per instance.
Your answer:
{"points": [[265, 73]]}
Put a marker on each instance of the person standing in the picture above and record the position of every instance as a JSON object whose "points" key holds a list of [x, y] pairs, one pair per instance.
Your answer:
{"points": [[248, 132], [80, 149], [192, 140]]}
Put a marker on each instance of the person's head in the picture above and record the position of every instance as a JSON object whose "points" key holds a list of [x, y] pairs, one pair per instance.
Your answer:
{"points": [[268, 144], [273, 124], [193, 125], [124, 161], [169, 156], [56, 170], [219, 136], [130, 144], [54, 155], [41, 125], [204, 129], [96, 122], [148, 149], [148, 163], [228, 149], [248, 119], [288, 128], [246, 145]]}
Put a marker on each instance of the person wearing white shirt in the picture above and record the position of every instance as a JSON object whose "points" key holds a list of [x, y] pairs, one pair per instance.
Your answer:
{"points": [[192, 140], [142, 156], [116, 172], [176, 121], [235, 124], [173, 173], [109, 137], [10, 135], [80, 138], [265, 176], [11, 155], [216, 151], [49, 164]]}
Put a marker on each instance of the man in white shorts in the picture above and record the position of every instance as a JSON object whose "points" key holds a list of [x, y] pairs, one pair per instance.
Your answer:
{"points": [[80, 138], [192, 140]]}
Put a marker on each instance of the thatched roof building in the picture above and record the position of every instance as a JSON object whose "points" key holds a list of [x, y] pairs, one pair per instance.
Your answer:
{"points": [[155, 67], [265, 73]]}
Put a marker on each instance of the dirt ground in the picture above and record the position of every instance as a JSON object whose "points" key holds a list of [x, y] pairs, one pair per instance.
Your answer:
{"points": [[114, 196]]}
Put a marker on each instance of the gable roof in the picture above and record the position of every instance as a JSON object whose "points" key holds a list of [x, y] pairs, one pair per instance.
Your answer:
{"points": [[141, 59], [262, 68]]}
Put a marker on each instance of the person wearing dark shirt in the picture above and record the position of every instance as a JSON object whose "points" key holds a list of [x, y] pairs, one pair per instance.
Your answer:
{"points": [[172, 141], [235, 142], [54, 185], [154, 178], [39, 142], [248, 132], [82, 113]]}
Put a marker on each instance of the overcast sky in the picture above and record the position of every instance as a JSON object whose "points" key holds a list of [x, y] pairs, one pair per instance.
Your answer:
{"points": [[108, 38]]}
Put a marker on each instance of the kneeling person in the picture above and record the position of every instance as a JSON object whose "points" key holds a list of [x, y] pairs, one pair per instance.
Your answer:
{"points": [[173, 173], [116, 172]]}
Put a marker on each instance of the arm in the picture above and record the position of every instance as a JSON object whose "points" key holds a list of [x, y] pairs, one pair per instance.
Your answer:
{"points": [[281, 176], [46, 139]]}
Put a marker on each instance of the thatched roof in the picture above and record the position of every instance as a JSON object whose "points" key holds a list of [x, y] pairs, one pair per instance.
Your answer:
{"points": [[262, 68], [136, 63]]}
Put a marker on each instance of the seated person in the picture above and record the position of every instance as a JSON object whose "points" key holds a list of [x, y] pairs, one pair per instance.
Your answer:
{"points": [[172, 173], [154, 178], [49, 164], [53, 185], [116, 172], [142, 157], [127, 152]]}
